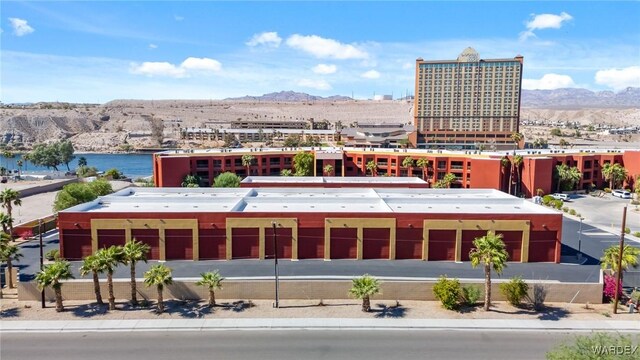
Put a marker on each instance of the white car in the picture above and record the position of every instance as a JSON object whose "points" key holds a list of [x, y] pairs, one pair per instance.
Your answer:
{"points": [[563, 197], [622, 194]]}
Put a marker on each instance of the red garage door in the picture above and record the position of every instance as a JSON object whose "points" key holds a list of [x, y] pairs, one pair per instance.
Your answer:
{"points": [[442, 245], [284, 239], [75, 244], [149, 237], [375, 243], [467, 241], [311, 243], [213, 244], [542, 246], [344, 244], [408, 243], [513, 242], [245, 243], [110, 237], [178, 244]]}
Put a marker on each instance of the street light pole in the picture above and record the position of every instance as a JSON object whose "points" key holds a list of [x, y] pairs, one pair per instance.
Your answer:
{"points": [[41, 261], [619, 272], [580, 240], [275, 263]]}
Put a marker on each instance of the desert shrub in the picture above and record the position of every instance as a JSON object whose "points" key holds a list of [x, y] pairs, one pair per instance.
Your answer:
{"points": [[572, 211], [448, 292], [635, 296], [594, 346], [470, 294], [547, 200], [636, 234], [515, 290], [565, 209], [557, 203], [627, 230], [114, 173], [539, 296], [607, 190], [100, 187], [609, 290], [52, 255], [86, 171]]}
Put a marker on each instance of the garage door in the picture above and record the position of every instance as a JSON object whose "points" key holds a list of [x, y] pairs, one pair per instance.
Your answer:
{"points": [[542, 246], [213, 244], [110, 237], [284, 239], [375, 243], [76, 244], [442, 245], [467, 241], [344, 244], [178, 244], [513, 243], [150, 237], [409, 243], [311, 243], [245, 243]]}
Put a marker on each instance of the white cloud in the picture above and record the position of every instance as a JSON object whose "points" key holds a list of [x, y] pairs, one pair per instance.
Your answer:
{"points": [[178, 17], [371, 74], [325, 48], [270, 39], [153, 46], [314, 84], [407, 66], [20, 27], [619, 79], [548, 82], [150, 68], [544, 21], [324, 69]]}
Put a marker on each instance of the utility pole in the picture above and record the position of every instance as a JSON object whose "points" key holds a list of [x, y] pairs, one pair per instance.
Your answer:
{"points": [[619, 272], [41, 261], [580, 240], [275, 263]]}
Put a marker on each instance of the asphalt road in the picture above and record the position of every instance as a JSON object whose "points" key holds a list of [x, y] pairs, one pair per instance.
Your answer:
{"points": [[591, 243], [282, 345]]}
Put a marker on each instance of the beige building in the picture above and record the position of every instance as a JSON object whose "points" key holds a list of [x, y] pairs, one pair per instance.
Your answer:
{"points": [[468, 102]]}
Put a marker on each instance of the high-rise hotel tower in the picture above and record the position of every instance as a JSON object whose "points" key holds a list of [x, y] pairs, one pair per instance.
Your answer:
{"points": [[467, 103]]}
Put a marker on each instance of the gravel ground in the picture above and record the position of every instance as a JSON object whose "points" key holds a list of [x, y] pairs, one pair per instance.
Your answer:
{"points": [[175, 309]]}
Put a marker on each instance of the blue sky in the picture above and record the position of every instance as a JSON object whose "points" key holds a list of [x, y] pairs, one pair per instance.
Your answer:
{"points": [[99, 51]]}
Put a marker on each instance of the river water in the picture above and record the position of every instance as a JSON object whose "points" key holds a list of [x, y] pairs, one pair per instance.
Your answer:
{"points": [[131, 165]]}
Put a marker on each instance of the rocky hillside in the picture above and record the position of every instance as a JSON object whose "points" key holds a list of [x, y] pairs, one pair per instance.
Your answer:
{"points": [[580, 98]]}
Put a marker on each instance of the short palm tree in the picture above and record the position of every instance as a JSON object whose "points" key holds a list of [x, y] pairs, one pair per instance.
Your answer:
{"points": [[6, 222], [609, 259], [516, 137], [51, 275], [363, 288], [134, 251], [110, 258], [518, 160], [449, 179], [423, 164], [407, 163], [92, 264], [328, 169], [213, 281], [371, 167], [285, 172], [491, 253], [159, 276], [8, 254], [614, 173], [247, 160], [9, 198]]}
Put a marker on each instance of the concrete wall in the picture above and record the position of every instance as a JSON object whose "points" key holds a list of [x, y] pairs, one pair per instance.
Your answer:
{"points": [[299, 289], [38, 189]]}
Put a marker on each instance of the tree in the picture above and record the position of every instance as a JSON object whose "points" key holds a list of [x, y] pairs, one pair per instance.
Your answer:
{"points": [[292, 140], [506, 165], [568, 175], [226, 179], [100, 187], [609, 259], [158, 275], [285, 172], [110, 257], [93, 264], [518, 160], [19, 163], [86, 171], [82, 161], [9, 198], [423, 163], [363, 288], [614, 173], [51, 276], [72, 195], [213, 281], [65, 152], [555, 132], [45, 155], [563, 143], [489, 251], [328, 169], [407, 163], [303, 164], [6, 222], [516, 137], [372, 167], [114, 173], [132, 252], [247, 160], [191, 181], [8, 254]]}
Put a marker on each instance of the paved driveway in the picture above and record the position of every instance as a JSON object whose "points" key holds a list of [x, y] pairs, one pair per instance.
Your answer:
{"points": [[606, 212]]}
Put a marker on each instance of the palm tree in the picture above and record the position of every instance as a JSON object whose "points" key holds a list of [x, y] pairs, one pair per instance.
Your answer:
{"points": [[518, 160], [8, 198], [568, 174], [506, 164], [8, 254], [563, 143], [247, 160], [363, 288], [614, 173], [51, 275], [609, 259], [19, 163], [213, 281], [158, 275], [6, 222], [372, 166], [82, 161], [516, 137], [285, 172], [489, 251], [328, 169], [110, 258], [407, 163], [132, 252], [424, 164], [93, 264], [449, 179]]}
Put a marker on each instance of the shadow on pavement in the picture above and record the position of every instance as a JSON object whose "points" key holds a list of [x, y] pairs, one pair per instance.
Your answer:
{"points": [[9, 313], [389, 311], [552, 313], [187, 309], [89, 310], [468, 309], [236, 306]]}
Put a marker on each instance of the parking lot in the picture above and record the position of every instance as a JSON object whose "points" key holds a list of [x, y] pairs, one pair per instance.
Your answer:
{"points": [[606, 212]]}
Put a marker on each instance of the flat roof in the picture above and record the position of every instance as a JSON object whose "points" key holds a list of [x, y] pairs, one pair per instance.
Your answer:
{"points": [[378, 180], [309, 200]]}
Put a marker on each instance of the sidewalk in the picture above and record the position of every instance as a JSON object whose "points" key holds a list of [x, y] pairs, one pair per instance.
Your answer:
{"points": [[315, 324]]}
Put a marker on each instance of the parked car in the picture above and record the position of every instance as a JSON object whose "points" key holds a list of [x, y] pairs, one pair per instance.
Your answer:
{"points": [[563, 197], [622, 194]]}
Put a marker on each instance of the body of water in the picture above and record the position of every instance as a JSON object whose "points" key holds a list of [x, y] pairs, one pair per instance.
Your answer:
{"points": [[131, 165]]}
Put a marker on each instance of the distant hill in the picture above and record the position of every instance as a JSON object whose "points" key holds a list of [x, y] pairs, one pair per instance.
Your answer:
{"points": [[291, 96], [574, 97]]}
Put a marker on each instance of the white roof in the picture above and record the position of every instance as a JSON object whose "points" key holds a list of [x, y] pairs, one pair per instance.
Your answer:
{"points": [[378, 180], [296, 200]]}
